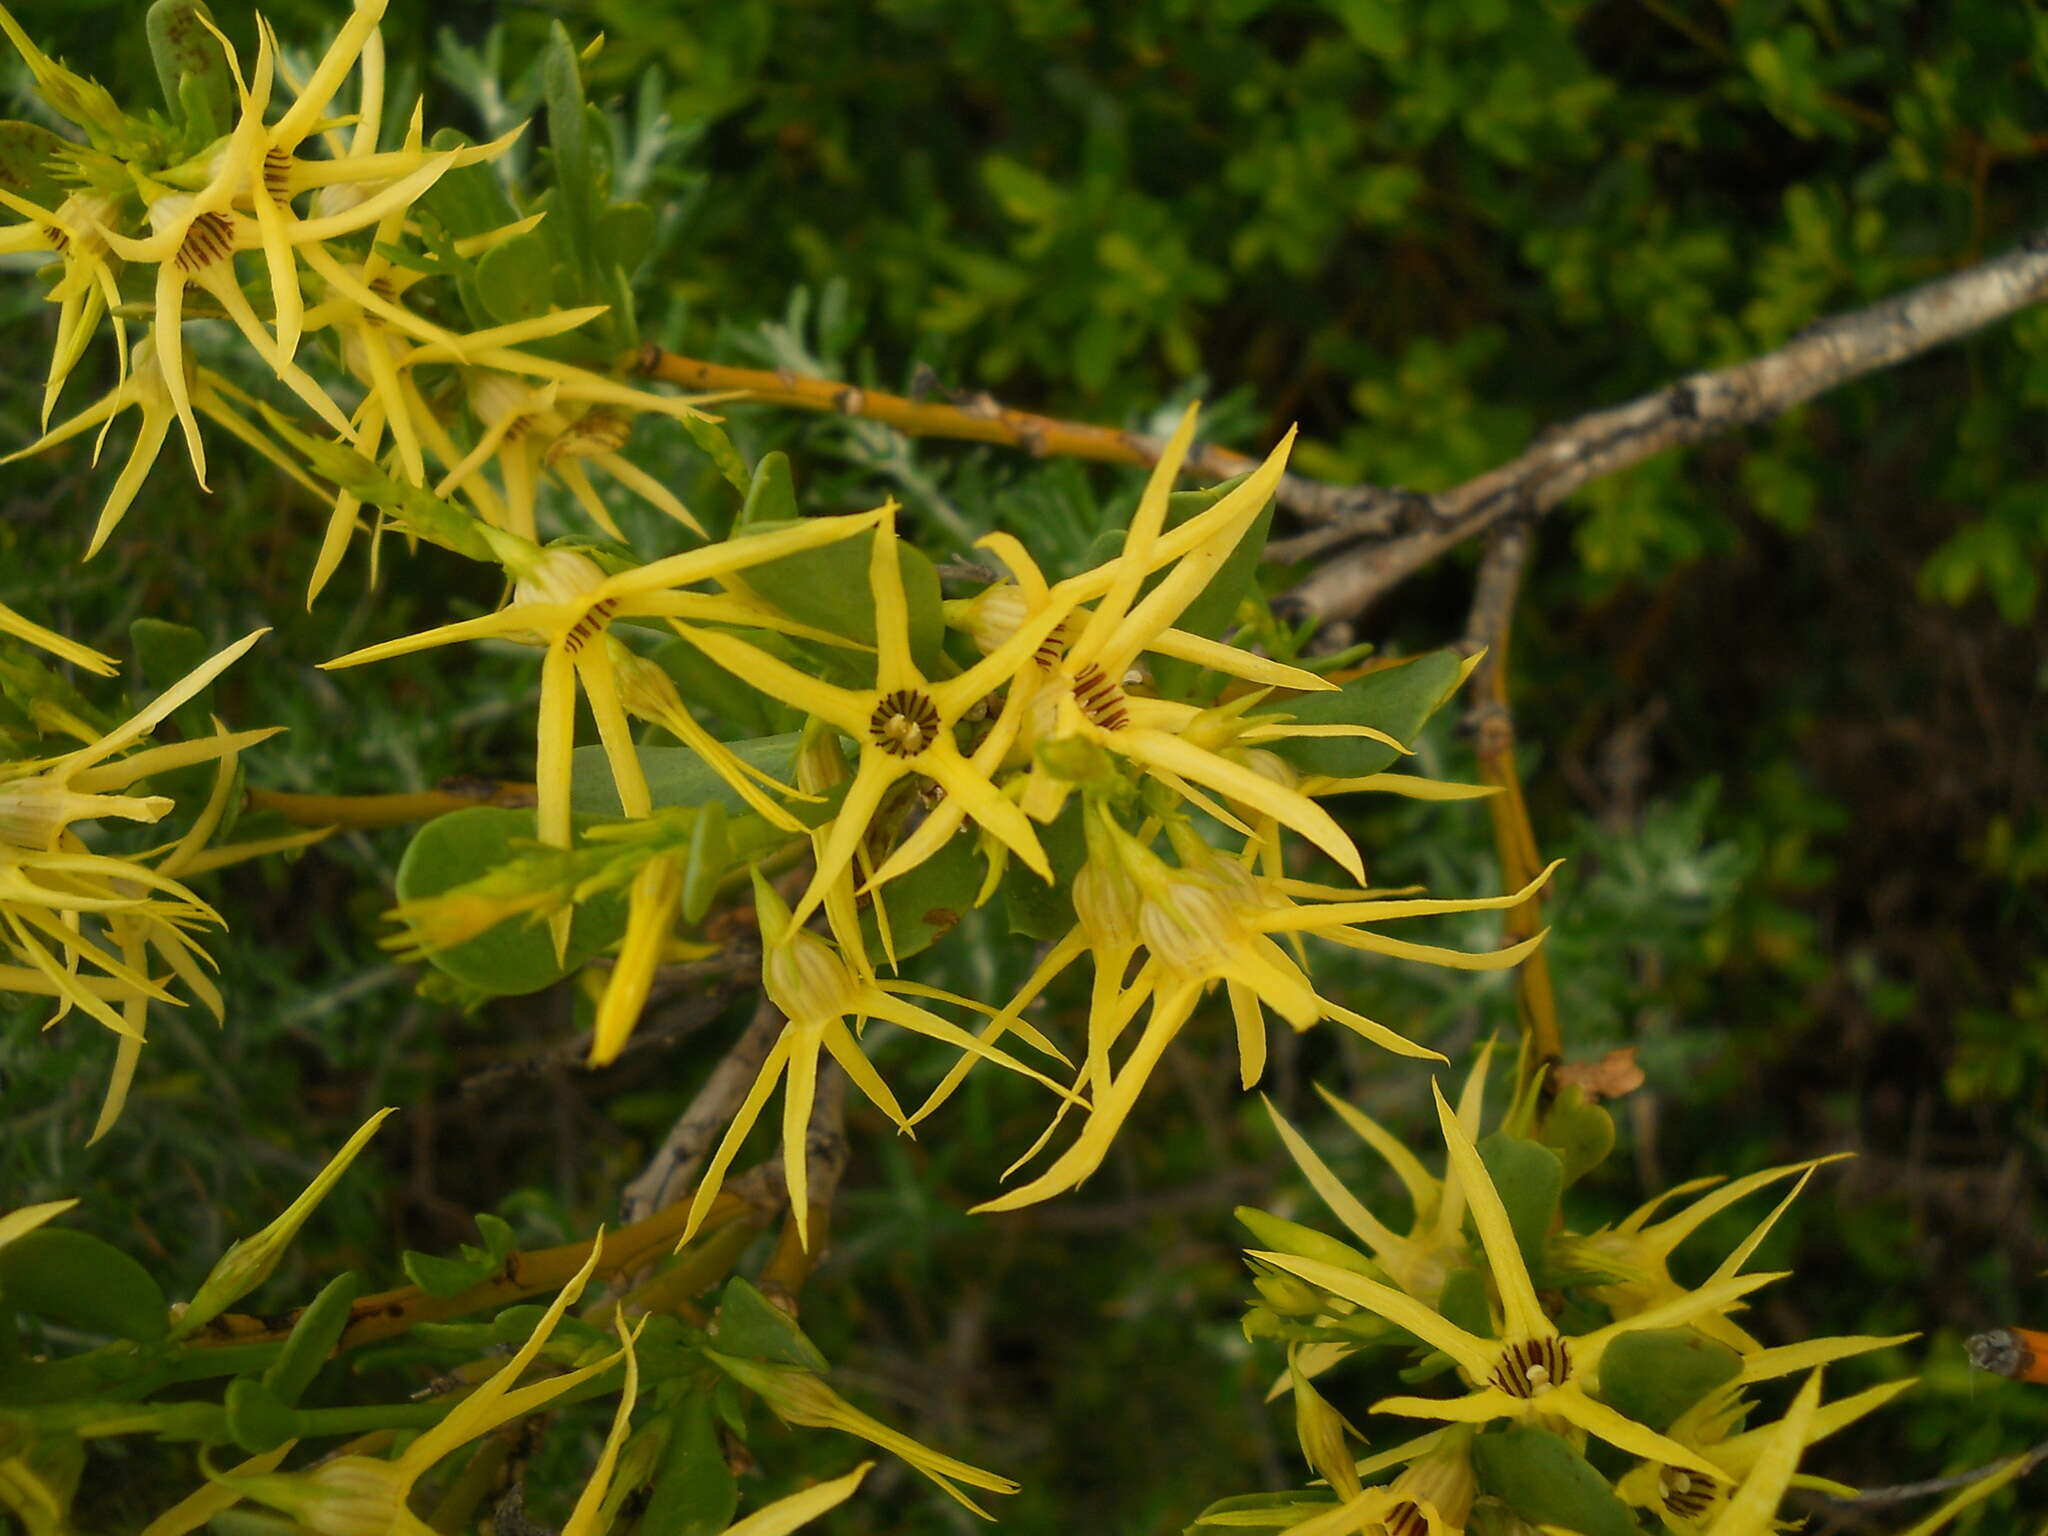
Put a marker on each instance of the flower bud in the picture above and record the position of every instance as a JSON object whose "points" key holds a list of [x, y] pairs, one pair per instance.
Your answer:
{"points": [[34, 811], [806, 978], [1443, 1479], [556, 576], [1288, 1296], [991, 616]]}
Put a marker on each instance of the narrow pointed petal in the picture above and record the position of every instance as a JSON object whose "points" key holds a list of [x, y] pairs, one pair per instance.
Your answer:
{"points": [[757, 669], [1574, 1407], [1344, 913], [1477, 1357], [798, 1095], [1523, 1316], [1344, 1205], [1429, 954], [1422, 1188], [1128, 572], [1481, 1407], [1242, 785], [743, 1118], [1218, 657]]}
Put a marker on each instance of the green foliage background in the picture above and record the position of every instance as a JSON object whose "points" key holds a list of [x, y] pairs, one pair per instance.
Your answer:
{"points": [[1781, 695]]}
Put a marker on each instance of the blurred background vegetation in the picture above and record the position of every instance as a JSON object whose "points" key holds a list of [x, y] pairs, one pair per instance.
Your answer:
{"points": [[1781, 697]]}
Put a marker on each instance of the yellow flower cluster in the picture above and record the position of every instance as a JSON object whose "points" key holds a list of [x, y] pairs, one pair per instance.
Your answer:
{"points": [[1707, 1472], [89, 928], [291, 229]]}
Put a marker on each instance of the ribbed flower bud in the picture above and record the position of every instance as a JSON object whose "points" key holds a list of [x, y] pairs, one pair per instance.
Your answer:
{"points": [[35, 811], [557, 576], [494, 396], [1443, 1479], [806, 978], [991, 616]]}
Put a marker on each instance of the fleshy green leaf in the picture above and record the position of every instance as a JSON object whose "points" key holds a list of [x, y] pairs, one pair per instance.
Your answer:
{"points": [[1530, 1178], [514, 957], [1395, 699], [1546, 1482], [513, 280], [678, 776], [191, 67], [73, 1279], [694, 1492], [26, 150], [928, 900], [1042, 911], [1653, 1375], [751, 1326], [313, 1338]]}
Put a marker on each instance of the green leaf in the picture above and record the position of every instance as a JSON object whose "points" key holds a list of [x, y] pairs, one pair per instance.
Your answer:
{"points": [[694, 1492], [710, 856], [569, 143], [625, 235], [166, 652], [753, 1327], [677, 776], [771, 497], [1579, 1132], [923, 904], [1463, 1302], [514, 957], [1395, 699], [1038, 909], [710, 437], [442, 1278], [313, 1338], [258, 1419], [73, 1279], [1530, 1178], [1260, 1510], [26, 150], [1654, 1375], [512, 280], [192, 68], [1280, 1235], [468, 199], [828, 587], [1546, 1482]]}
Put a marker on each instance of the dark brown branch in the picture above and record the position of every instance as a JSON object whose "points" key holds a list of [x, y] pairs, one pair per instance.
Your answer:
{"points": [[1698, 407]]}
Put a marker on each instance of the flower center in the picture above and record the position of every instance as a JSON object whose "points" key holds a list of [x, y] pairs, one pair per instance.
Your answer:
{"points": [[1532, 1367], [904, 723], [1101, 700], [593, 620], [277, 174], [210, 238], [1406, 1519], [1688, 1495]]}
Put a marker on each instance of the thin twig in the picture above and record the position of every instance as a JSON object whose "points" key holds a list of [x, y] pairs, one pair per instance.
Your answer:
{"points": [[1900, 1493], [1703, 405], [683, 999], [674, 1165], [390, 810], [977, 417], [1492, 724]]}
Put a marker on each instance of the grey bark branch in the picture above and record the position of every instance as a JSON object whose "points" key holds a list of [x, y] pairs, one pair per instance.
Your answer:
{"points": [[674, 1164], [1402, 532]]}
